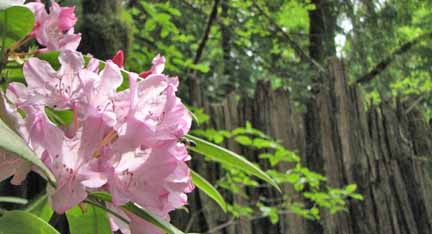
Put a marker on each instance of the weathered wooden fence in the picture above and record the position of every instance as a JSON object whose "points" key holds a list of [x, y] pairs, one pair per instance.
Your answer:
{"points": [[386, 150]]}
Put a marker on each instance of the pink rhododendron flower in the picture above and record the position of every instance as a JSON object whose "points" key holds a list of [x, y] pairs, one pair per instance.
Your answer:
{"points": [[54, 30], [125, 143], [45, 86], [152, 113], [73, 171]]}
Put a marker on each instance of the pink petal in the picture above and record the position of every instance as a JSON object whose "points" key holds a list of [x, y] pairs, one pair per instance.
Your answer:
{"points": [[158, 64], [70, 194], [67, 18], [68, 42], [40, 75], [13, 166]]}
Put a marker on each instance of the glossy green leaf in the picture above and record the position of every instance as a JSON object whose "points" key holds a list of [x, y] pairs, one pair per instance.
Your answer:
{"points": [[59, 117], [13, 143], [15, 23], [93, 220], [222, 155], [22, 222], [140, 212], [208, 189], [16, 200], [40, 207]]}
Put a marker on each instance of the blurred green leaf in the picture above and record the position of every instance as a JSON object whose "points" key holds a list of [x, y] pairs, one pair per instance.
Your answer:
{"points": [[208, 189], [91, 220], [21, 222], [41, 208]]}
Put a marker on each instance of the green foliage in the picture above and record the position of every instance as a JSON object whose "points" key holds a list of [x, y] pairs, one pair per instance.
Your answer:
{"points": [[15, 23], [244, 45], [310, 185], [157, 22], [88, 220], [377, 32], [41, 208], [198, 114], [236, 53], [227, 157], [21, 222]]}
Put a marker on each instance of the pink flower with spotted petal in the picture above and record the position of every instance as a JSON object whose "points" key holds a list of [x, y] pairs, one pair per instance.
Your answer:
{"points": [[47, 87]]}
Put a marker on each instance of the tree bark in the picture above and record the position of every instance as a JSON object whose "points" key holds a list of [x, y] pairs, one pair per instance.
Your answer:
{"points": [[386, 151]]}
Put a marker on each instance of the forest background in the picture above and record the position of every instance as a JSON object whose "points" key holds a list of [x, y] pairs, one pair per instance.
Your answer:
{"points": [[341, 87]]}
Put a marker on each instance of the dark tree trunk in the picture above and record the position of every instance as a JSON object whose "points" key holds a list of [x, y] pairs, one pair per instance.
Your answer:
{"points": [[322, 28], [103, 32], [228, 65]]}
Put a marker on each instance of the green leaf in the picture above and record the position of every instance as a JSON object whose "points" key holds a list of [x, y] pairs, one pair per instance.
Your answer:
{"points": [[52, 58], [357, 196], [228, 157], [22, 222], [15, 23], [351, 188], [153, 219], [59, 117], [16, 200], [13, 143], [93, 220], [140, 212], [41, 208], [13, 72], [244, 140], [208, 189]]}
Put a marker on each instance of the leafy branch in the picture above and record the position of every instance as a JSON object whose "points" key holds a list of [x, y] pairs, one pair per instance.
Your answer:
{"points": [[381, 66], [298, 50]]}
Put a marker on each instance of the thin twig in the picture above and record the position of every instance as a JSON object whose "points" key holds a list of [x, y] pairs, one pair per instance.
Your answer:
{"points": [[222, 226], [416, 102], [206, 34]]}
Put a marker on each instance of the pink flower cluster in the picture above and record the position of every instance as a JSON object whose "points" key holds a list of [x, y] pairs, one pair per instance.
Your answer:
{"points": [[54, 30], [125, 143]]}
